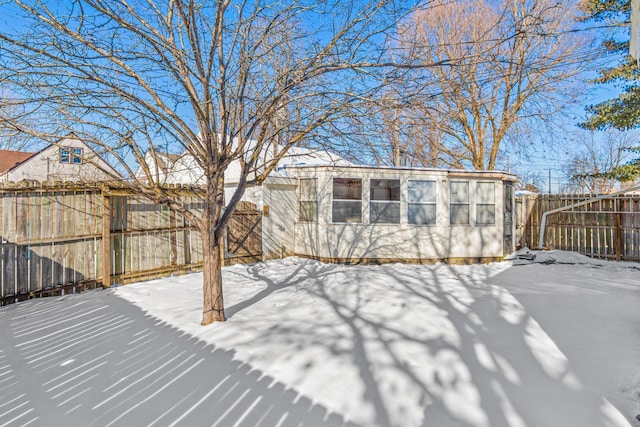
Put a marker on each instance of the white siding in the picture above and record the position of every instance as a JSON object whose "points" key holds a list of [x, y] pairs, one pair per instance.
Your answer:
{"points": [[441, 241], [46, 166]]}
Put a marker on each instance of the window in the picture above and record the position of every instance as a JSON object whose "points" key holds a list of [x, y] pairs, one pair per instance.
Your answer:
{"points": [[71, 155], [77, 155], [347, 200], [485, 203], [421, 206], [308, 200], [65, 155], [459, 202], [384, 204]]}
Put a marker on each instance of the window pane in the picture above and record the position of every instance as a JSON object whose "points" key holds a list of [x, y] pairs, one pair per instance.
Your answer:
{"points": [[459, 192], [459, 214], [347, 211], [421, 214], [485, 214], [385, 213], [486, 192], [308, 189], [65, 155], [422, 191], [309, 211], [347, 188], [385, 189]]}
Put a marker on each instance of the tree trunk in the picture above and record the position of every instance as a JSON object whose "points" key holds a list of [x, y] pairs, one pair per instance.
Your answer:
{"points": [[212, 250], [213, 303]]}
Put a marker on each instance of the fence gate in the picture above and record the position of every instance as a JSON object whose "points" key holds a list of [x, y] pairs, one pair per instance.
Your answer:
{"points": [[244, 235]]}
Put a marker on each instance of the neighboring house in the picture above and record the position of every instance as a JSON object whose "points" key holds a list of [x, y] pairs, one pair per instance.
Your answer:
{"points": [[68, 160]]}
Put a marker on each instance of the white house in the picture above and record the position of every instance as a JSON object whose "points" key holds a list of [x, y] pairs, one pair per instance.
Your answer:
{"points": [[320, 206], [68, 160], [363, 214]]}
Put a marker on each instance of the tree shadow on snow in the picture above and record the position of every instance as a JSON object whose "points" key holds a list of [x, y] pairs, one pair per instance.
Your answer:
{"points": [[432, 345]]}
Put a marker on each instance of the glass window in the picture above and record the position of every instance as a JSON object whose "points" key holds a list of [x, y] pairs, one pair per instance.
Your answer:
{"points": [[347, 200], [384, 213], [77, 155], [308, 200], [485, 203], [346, 211], [308, 211], [459, 202], [347, 189], [65, 155], [385, 189], [421, 206], [308, 189], [384, 204]]}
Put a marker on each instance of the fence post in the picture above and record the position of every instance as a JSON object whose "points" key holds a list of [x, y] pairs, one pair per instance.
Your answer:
{"points": [[106, 238], [618, 222]]}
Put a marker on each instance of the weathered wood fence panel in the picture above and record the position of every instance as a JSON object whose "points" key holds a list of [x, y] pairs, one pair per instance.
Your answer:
{"points": [[606, 228], [244, 235], [51, 238]]}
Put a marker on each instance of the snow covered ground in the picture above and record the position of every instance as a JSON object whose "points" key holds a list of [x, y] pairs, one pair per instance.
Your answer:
{"points": [[553, 342]]}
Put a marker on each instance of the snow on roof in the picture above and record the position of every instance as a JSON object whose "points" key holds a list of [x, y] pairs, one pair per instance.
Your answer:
{"points": [[526, 193], [185, 170]]}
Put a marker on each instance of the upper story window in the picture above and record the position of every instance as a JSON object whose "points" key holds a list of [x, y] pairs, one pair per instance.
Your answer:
{"points": [[77, 155], [71, 155], [347, 200], [485, 203], [421, 203], [384, 201], [459, 202], [308, 200]]}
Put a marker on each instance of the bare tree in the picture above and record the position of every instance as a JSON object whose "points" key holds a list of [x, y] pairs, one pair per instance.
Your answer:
{"points": [[226, 81], [530, 181], [595, 155], [14, 123], [513, 63]]}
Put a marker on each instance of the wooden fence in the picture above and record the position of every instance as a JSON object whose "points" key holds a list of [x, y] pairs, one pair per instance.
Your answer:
{"points": [[607, 228], [63, 237]]}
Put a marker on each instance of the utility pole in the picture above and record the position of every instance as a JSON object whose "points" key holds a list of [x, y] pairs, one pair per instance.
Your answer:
{"points": [[549, 181]]}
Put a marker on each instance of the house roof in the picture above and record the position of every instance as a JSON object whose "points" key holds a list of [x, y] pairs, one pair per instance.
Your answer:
{"points": [[10, 159], [489, 174]]}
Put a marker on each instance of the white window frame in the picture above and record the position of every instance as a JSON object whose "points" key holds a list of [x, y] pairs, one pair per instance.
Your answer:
{"points": [[353, 201], [434, 203], [308, 199], [458, 203], [390, 203], [480, 201]]}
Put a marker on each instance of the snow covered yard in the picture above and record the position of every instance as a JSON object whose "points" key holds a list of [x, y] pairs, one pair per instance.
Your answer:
{"points": [[550, 343], [402, 345]]}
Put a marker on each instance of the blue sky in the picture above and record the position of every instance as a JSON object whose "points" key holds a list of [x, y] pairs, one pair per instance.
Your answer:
{"points": [[540, 158]]}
